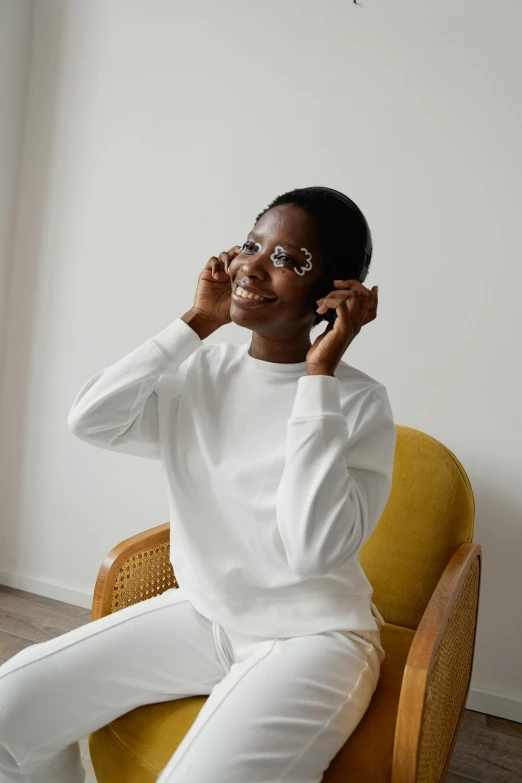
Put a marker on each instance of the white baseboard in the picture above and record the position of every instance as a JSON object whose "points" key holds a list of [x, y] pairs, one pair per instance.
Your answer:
{"points": [[502, 705], [49, 589], [480, 699]]}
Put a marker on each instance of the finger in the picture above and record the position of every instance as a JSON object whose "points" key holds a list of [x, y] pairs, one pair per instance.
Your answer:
{"points": [[225, 260], [345, 317], [350, 284], [337, 295], [371, 312], [332, 301], [350, 313], [355, 306], [215, 266], [341, 286], [367, 311], [230, 255], [329, 302], [354, 285]]}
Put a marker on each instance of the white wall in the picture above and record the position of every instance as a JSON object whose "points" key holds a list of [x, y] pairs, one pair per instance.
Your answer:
{"points": [[156, 131], [15, 35]]}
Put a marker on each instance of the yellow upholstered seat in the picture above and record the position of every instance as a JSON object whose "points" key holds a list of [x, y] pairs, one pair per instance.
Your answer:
{"points": [[426, 577], [138, 745]]}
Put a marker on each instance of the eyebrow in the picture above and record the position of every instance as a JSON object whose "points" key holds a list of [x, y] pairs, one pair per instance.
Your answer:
{"points": [[287, 244]]}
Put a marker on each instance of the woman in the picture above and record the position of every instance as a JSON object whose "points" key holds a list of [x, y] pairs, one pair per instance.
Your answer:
{"points": [[278, 460]]}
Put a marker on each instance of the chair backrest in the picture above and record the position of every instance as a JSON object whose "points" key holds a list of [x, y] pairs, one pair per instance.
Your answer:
{"points": [[429, 514]]}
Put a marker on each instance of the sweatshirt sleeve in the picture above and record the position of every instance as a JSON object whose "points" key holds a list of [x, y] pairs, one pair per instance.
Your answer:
{"points": [[337, 475], [117, 408]]}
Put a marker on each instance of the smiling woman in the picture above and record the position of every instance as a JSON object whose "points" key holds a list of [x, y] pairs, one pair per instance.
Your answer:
{"points": [[278, 458], [317, 239]]}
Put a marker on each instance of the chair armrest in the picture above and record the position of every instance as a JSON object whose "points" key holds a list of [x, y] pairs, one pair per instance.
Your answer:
{"points": [[437, 675], [135, 569]]}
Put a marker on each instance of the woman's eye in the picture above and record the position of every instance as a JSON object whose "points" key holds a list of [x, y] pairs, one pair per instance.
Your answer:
{"points": [[252, 247]]}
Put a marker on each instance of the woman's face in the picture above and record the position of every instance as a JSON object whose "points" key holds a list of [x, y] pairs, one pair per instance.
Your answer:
{"points": [[282, 260]]}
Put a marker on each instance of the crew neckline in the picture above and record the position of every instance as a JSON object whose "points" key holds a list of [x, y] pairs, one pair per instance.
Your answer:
{"points": [[272, 368]]}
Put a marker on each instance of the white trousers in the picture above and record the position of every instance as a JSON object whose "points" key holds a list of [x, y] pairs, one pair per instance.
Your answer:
{"points": [[278, 709]]}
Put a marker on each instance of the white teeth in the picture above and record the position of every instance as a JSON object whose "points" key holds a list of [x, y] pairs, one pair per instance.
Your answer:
{"points": [[248, 294]]}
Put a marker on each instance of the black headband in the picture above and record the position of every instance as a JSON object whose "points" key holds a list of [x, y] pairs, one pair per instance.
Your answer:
{"points": [[364, 266]]}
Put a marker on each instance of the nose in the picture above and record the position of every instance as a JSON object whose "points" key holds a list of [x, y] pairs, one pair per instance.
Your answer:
{"points": [[255, 264]]}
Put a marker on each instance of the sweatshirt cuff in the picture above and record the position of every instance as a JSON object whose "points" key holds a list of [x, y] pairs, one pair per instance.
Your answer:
{"points": [[317, 395], [177, 341]]}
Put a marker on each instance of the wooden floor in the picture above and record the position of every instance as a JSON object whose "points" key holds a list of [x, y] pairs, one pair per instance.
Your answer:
{"points": [[489, 749]]}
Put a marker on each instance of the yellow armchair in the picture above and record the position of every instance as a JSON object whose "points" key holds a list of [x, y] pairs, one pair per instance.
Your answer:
{"points": [[425, 572]]}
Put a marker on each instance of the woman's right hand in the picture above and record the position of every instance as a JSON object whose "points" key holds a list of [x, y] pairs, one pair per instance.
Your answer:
{"points": [[213, 293]]}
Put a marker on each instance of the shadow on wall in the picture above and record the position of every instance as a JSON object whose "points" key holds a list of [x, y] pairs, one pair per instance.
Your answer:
{"points": [[20, 340], [498, 530]]}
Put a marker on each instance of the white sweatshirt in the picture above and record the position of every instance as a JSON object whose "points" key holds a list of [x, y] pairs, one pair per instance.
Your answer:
{"points": [[275, 478]]}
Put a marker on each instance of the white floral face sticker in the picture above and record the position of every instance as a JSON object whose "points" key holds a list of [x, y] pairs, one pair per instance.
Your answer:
{"points": [[308, 264], [278, 262], [277, 250]]}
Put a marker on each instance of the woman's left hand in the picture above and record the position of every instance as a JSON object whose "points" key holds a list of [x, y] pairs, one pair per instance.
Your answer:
{"points": [[355, 306]]}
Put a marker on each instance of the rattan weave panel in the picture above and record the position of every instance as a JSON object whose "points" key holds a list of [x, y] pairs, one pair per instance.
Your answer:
{"points": [[142, 576], [448, 682]]}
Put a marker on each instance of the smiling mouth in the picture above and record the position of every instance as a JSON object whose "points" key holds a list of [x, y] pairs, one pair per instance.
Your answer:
{"points": [[243, 297]]}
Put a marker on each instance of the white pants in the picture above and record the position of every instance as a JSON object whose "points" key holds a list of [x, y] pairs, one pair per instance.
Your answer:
{"points": [[278, 709]]}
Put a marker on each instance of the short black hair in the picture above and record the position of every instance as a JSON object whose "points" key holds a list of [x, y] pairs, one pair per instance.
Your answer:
{"points": [[341, 232]]}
